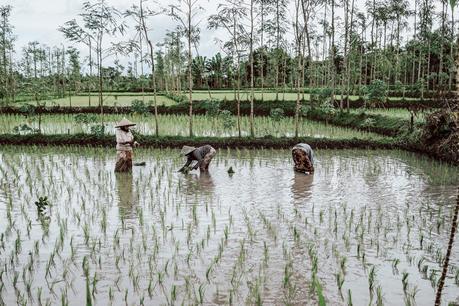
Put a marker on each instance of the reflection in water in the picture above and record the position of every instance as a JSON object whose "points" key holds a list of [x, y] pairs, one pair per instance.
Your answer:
{"points": [[301, 187], [126, 199], [196, 184]]}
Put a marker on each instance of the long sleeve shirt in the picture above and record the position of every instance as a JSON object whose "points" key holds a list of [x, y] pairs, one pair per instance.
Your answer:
{"points": [[198, 155], [307, 149], [123, 140]]}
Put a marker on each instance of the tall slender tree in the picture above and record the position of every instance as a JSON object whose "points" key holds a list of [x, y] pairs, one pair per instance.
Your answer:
{"points": [[99, 20], [186, 12], [229, 16]]}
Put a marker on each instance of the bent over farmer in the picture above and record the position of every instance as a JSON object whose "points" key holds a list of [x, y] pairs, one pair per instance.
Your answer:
{"points": [[124, 144], [203, 155], [303, 157]]}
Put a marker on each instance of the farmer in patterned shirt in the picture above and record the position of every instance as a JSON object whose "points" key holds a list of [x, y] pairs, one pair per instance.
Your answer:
{"points": [[203, 155], [303, 157]]}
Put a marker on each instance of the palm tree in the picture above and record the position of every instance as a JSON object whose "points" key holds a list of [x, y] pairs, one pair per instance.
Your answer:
{"points": [[215, 68]]}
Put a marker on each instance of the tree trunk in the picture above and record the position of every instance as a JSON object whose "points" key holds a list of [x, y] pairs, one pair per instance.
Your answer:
{"points": [[452, 234], [238, 82], [252, 131], [190, 80], [152, 59], [262, 61], [276, 85], [332, 46]]}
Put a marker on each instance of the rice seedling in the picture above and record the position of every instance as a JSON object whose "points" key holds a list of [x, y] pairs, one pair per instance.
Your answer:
{"points": [[160, 237], [176, 125]]}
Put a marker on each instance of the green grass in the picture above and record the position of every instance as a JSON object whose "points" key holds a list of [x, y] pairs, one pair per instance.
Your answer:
{"points": [[177, 125]]}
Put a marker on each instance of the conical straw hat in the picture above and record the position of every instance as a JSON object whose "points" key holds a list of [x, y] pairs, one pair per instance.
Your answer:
{"points": [[187, 150], [125, 122]]}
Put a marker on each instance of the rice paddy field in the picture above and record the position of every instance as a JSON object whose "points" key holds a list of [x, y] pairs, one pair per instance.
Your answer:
{"points": [[125, 99], [401, 113], [109, 100], [369, 227], [245, 95], [177, 125]]}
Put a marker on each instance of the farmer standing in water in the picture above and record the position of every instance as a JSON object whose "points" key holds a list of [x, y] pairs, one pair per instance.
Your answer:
{"points": [[303, 157], [203, 155], [124, 144]]}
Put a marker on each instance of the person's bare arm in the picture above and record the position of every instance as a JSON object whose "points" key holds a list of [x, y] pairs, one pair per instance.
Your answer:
{"points": [[188, 162]]}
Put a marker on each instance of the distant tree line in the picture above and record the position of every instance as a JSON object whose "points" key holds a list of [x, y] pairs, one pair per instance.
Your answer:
{"points": [[407, 47]]}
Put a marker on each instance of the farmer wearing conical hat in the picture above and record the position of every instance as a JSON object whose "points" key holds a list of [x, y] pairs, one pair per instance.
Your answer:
{"points": [[203, 155], [124, 144], [303, 157]]}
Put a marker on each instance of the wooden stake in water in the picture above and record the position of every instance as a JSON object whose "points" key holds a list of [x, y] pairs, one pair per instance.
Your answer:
{"points": [[441, 282]]}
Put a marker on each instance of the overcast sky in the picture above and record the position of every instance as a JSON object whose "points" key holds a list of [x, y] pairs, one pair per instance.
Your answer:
{"points": [[38, 20]]}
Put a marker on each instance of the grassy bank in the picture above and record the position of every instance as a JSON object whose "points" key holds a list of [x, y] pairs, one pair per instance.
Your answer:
{"points": [[179, 141]]}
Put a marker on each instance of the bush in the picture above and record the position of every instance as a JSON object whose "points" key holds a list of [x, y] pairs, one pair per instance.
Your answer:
{"points": [[376, 92], [327, 108], [325, 95], [277, 114], [368, 123], [139, 107], [212, 107], [27, 109], [24, 129], [228, 119]]}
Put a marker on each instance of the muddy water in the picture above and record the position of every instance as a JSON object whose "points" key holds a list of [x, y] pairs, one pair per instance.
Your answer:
{"points": [[156, 236]]}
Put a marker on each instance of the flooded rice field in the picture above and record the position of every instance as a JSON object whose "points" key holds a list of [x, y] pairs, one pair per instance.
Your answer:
{"points": [[370, 227], [177, 125]]}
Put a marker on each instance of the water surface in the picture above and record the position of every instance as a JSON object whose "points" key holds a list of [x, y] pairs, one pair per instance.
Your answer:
{"points": [[157, 236]]}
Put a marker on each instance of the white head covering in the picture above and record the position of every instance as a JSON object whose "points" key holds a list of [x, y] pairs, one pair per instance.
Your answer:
{"points": [[124, 122], [187, 150]]}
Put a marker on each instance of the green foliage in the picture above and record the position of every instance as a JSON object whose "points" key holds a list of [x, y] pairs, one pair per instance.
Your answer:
{"points": [[368, 123], [277, 114], [228, 119], [98, 130], [177, 98], [304, 110], [327, 108], [27, 109], [24, 129], [85, 118], [325, 95], [212, 107], [376, 92], [139, 107], [42, 204]]}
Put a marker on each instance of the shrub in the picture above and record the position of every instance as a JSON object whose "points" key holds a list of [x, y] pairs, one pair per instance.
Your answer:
{"points": [[277, 114], [212, 107], [368, 123], [228, 119], [325, 95], [139, 107], [27, 109], [376, 92], [24, 129]]}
